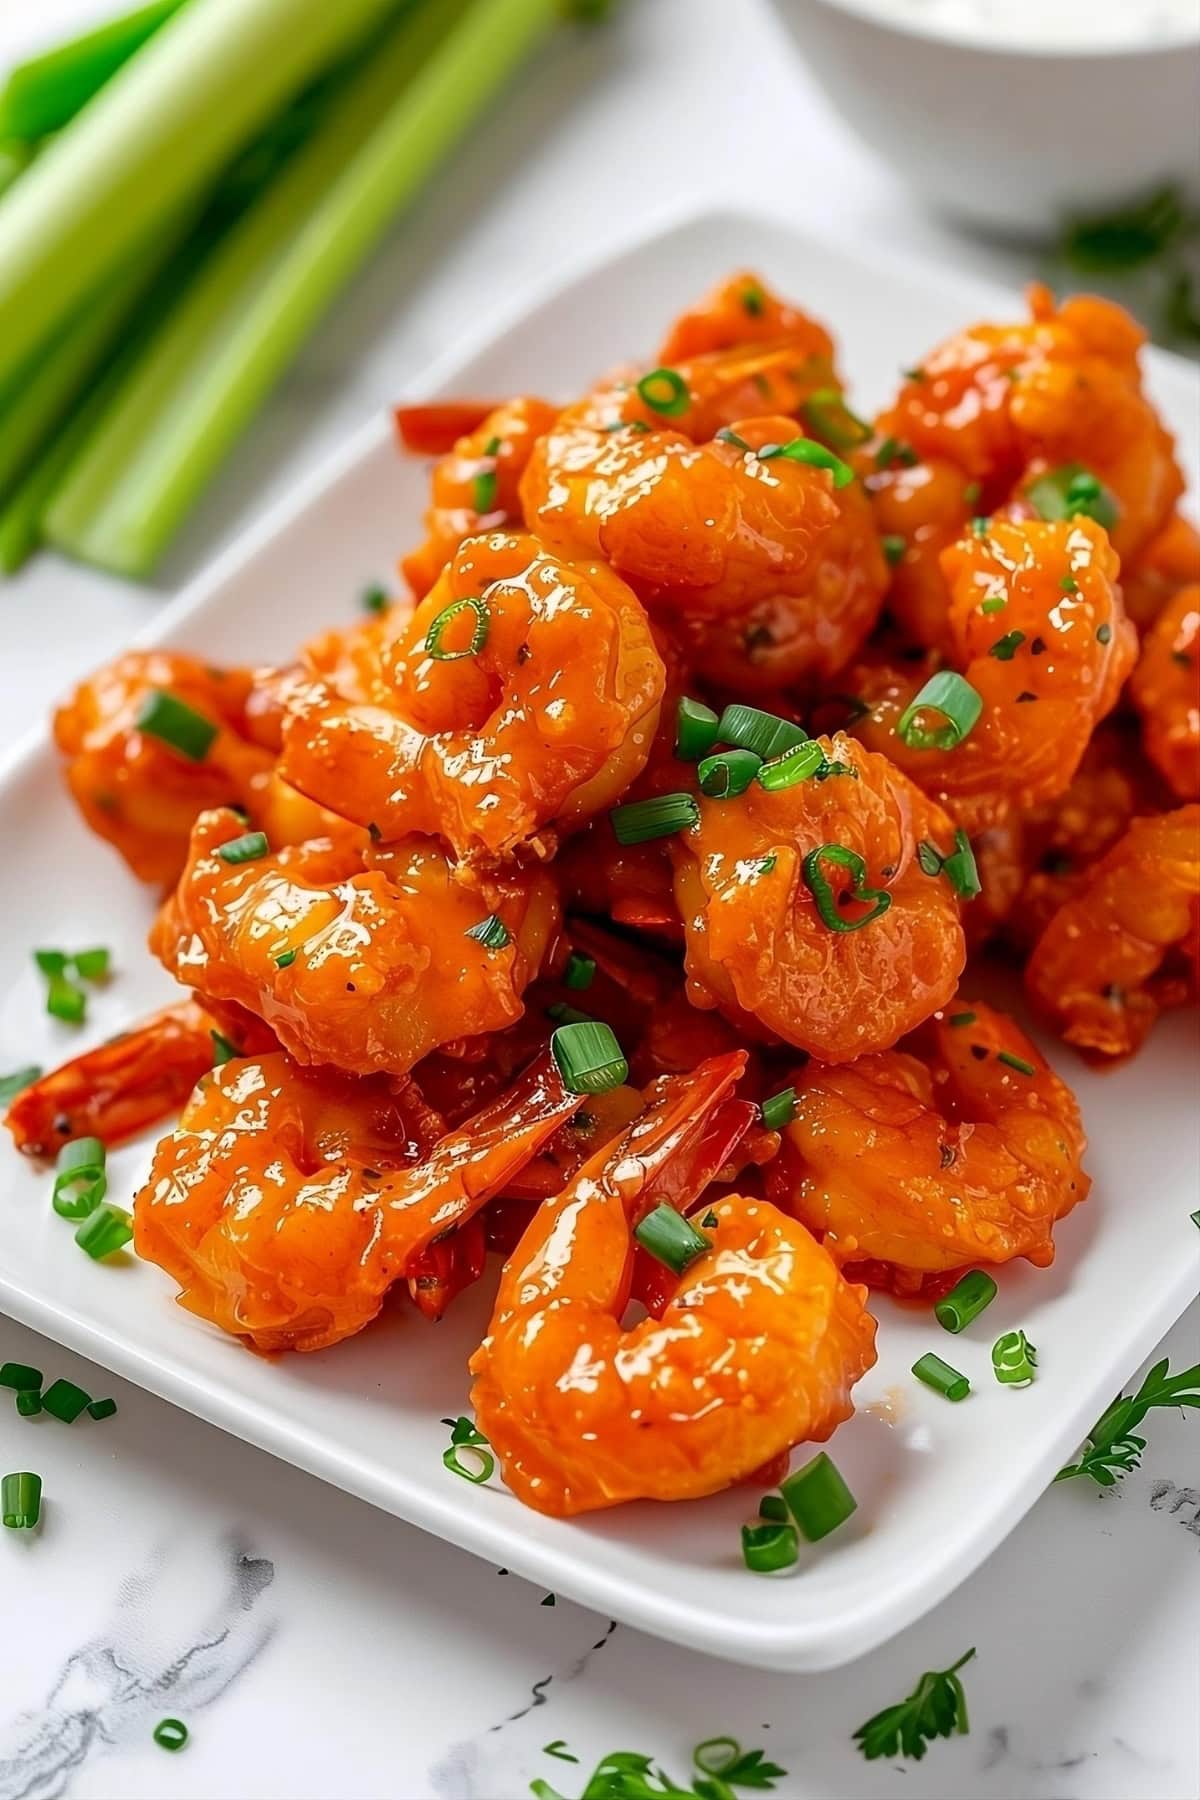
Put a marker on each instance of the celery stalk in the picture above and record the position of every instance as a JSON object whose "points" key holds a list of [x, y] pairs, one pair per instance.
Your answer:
{"points": [[40, 95], [23, 510], [152, 138], [251, 306], [15, 156]]}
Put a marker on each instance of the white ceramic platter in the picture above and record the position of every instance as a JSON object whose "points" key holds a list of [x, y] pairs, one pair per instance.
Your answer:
{"points": [[938, 1485]]}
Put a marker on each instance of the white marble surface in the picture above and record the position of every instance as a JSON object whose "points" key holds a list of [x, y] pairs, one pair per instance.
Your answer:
{"points": [[315, 1647]]}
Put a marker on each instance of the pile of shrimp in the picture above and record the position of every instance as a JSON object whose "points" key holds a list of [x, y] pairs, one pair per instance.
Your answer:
{"points": [[718, 725]]}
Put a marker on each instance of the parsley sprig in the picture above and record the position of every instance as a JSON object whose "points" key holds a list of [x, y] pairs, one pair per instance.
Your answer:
{"points": [[721, 1763], [1113, 1446], [937, 1707]]}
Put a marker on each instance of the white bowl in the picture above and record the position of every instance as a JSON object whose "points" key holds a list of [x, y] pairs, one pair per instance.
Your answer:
{"points": [[1012, 138]]}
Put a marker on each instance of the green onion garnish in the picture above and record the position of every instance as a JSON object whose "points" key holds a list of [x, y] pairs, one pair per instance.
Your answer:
{"points": [[285, 959], [769, 1547], [465, 1436], [373, 599], [437, 630], [962, 1018], [664, 392], [65, 1001], [1069, 585], [966, 1300], [753, 299], [640, 820], [18, 1081], [63, 1400], [779, 1110], [726, 436], [941, 1377], [895, 450], [21, 1500], [179, 726], [246, 848], [562, 1014], [589, 1057], [104, 1232], [580, 971], [79, 1178], [491, 932], [1006, 647], [1014, 1359], [21, 1376], [929, 857], [980, 527], [170, 1734], [1015, 1062], [821, 891], [670, 1238], [101, 1409], [1103, 634], [960, 868], [816, 456], [774, 1507], [817, 1497], [1063, 493], [91, 965], [223, 1050], [994, 604], [893, 546], [765, 733], [695, 730], [829, 418], [958, 704], [794, 766], [29, 1403], [483, 485], [728, 773]]}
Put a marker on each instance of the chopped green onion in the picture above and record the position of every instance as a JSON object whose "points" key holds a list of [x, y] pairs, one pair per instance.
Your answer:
{"points": [[104, 1232], [1006, 647], [821, 891], [285, 959], [175, 724], [485, 1462], [63, 1400], [962, 1018], [483, 485], [562, 1014], [491, 932], [728, 773], [21, 1500], [895, 450], [794, 766], [79, 1180], [972, 492], [980, 527], [1069, 585], [1103, 634], [774, 1507], [718, 1755], [18, 1081], [580, 971], [665, 392], [66, 1001], [817, 1497], [939, 1376], [247, 848], [726, 436], [1063, 493], [929, 858], [557, 1746], [960, 868], [816, 456], [51, 962], [766, 1548], [170, 1734], [994, 604], [1014, 1359], [589, 1057], [640, 820], [1015, 1062], [29, 1403], [223, 1050], [893, 546], [670, 1238], [101, 1409], [92, 965], [373, 599], [21, 1376], [765, 733], [916, 373], [829, 418], [947, 694], [1195, 1218], [695, 730], [437, 630], [966, 1300], [779, 1110], [753, 299]]}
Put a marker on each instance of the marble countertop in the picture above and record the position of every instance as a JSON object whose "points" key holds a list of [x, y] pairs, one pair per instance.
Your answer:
{"points": [[315, 1647]]}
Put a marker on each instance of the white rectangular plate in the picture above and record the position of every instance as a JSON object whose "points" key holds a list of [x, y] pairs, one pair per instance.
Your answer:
{"points": [[938, 1485]]}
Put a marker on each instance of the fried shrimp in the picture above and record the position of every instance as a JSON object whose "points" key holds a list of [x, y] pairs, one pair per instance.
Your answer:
{"points": [[289, 1201], [1094, 971], [523, 693], [756, 1348], [366, 964], [962, 1147], [1166, 691], [806, 908], [1041, 638], [743, 310]]}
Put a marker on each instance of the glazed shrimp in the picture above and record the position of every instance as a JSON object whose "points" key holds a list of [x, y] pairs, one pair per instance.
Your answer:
{"points": [[1093, 972], [289, 1201], [537, 710], [836, 954], [474, 487], [366, 965], [963, 1147], [920, 509], [1040, 634], [743, 310], [1169, 562], [757, 1346], [1166, 691], [1007, 402]]}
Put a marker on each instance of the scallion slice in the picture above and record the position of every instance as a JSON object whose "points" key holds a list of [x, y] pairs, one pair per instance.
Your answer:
{"points": [[21, 1500], [246, 848], [580, 971], [1015, 1062], [822, 892], [483, 485], [437, 630], [589, 1057], [779, 1110], [92, 965], [29, 1403], [939, 1376], [65, 1001], [947, 694], [774, 1507], [1014, 1359], [223, 1050], [285, 959], [766, 1548], [765, 733], [829, 418], [101, 1409], [1006, 647], [170, 1734], [817, 1497], [960, 868], [962, 1018], [562, 1014], [695, 730], [1065, 492], [104, 1232], [664, 391], [484, 1462], [670, 1238], [18, 1081], [63, 1400], [638, 821], [176, 724], [966, 1300], [893, 547], [21, 1376], [373, 599], [79, 1178], [816, 456], [491, 932], [728, 773], [794, 766]]}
